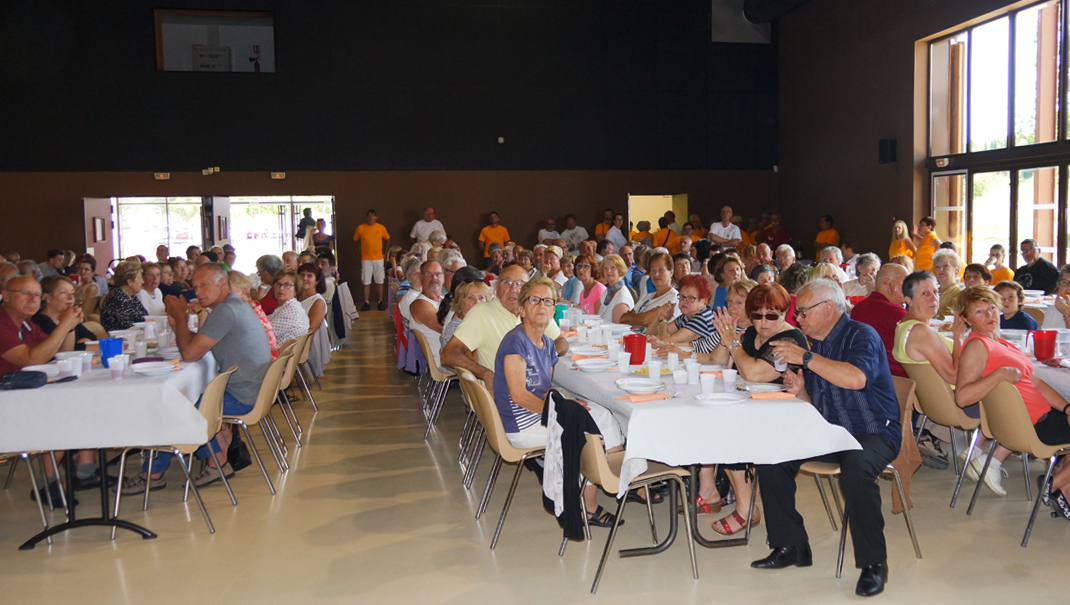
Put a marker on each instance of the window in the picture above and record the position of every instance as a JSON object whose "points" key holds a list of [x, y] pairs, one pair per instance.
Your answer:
{"points": [[147, 222], [998, 148]]}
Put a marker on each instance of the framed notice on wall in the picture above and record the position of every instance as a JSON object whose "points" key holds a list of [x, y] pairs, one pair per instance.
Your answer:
{"points": [[228, 41]]}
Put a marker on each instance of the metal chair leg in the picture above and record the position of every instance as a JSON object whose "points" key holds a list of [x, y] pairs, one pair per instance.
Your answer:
{"points": [[256, 454], [491, 479], [753, 502], [226, 482], [33, 481], [119, 487], [276, 436], [906, 510], [44, 477], [308, 381], [609, 542], [981, 477], [843, 544], [954, 450], [508, 500], [480, 443], [196, 493], [270, 439], [286, 417], [650, 515], [687, 526], [921, 429], [1036, 504], [825, 500], [60, 483], [1025, 471], [11, 473], [969, 457], [148, 481]]}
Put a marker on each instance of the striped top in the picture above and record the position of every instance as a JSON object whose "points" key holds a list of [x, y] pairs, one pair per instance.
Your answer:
{"points": [[701, 324]]}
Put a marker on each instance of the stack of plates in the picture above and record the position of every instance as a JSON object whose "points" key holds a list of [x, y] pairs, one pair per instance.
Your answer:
{"points": [[595, 366], [640, 386], [585, 350], [720, 398], [153, 368], [763, 387]]}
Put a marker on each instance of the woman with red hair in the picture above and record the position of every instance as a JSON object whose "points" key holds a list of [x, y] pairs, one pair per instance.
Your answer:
{"points": [[694, 325], [752, 354]]}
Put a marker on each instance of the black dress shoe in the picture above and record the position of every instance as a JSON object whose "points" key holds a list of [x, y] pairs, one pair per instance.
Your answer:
{"points": [[786, 556], [53, 492], [366, 306], [872, 580], [92, 482]]}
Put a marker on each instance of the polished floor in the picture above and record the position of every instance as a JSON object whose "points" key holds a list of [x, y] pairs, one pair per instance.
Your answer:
{"points": [[370, 512]]}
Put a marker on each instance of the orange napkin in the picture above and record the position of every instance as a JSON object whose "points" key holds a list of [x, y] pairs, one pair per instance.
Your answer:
{"points": [[568, 334], [713, 372], [577, 357], [644, 398], [772, 395]]}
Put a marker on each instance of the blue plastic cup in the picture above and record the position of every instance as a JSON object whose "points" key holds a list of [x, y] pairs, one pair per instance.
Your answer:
{"points": [[110, 347]]}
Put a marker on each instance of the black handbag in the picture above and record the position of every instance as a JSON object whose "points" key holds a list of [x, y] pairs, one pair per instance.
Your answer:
{"points": [[23, 380]]}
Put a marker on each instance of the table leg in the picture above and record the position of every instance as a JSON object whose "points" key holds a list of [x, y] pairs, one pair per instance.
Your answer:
{"points": [[692, 513], [674, 525], [104, 520]]}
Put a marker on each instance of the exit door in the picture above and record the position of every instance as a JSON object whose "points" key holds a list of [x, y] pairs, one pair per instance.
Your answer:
{"points": [[99, 231]]}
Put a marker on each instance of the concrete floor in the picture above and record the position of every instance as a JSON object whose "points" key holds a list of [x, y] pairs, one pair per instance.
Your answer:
{"points": [[370, 512]]}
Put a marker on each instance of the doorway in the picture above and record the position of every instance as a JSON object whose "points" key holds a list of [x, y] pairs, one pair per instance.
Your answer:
{"points": [[262, 225], [653, 207]]}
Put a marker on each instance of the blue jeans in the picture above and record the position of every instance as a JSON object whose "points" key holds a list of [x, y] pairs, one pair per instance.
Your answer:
{"points": [[231, 407]]}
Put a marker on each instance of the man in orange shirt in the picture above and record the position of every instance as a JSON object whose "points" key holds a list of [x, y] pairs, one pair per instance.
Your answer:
{"points": [[601, 229], [828, 236], [491, 234], [373, 239]]}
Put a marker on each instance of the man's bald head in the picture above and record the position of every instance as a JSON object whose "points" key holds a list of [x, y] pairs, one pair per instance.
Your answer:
{"points": [[890, 282], [7, 271], [22, 282]]}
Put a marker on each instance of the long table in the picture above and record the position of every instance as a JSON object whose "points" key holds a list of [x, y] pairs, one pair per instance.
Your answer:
{"points": [[97, 412]]}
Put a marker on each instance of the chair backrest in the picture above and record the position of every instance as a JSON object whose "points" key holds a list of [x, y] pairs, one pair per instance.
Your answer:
{"points": [[302, 353], [92, 304], [269, 390], [936, 398], [904, 393], [595, 467], [488, 416], [97, 329], [212, 401], [1005, 419], [436, 374], [291, 367], [1035, 313]]}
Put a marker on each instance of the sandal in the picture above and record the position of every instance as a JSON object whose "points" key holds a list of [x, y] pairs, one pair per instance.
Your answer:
{"points": [[704, 507], [722, 527], [655, 497], [602, 518]]}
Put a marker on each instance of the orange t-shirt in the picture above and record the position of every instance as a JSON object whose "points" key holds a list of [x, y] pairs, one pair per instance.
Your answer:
{"points": [[1004, 354], [490, 235], [641, 234], [667, 238], [998, 275], [371, 240], [828, 237], [600, 231], [899, 248], [923, 258]]}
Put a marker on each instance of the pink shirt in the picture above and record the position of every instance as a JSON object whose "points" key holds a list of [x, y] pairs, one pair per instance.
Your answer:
{"points": [[589, 300]]}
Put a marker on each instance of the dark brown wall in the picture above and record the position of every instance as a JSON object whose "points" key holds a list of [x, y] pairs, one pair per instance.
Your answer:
{"points": [[847, 80], [461, 199]]}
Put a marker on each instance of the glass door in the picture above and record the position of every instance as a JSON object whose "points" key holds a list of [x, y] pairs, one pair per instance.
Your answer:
{"points": [[949, 208]]}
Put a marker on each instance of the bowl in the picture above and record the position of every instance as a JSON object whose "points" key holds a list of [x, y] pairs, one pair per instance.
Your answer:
{"points": [[720, 398], [153, 368], [587, 350], [595, 366], [764, 387], [639, 386]]}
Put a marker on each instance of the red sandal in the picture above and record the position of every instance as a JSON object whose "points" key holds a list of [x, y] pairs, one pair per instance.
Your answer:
{"points": [[703, 507], [721, 525]]}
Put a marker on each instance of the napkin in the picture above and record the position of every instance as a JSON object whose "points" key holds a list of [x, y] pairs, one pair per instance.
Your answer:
{"points": [[568, 334], [772, 395], [644, 398], [577, 357], [713, 372]]}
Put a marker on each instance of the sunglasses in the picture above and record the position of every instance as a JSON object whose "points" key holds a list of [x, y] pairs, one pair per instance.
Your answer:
{"points": [[767, 316]]}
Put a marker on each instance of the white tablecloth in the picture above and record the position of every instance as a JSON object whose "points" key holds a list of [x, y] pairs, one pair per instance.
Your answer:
{"points": [[681, 431], [96, 411], [1058, 379]]}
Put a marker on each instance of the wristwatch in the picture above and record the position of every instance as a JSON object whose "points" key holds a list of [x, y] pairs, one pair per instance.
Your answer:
{"points": [[732, 345], [806, 357]]}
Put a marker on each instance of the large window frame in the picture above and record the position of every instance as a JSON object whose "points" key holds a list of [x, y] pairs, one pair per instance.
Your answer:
{"points": [[1015, 156]]}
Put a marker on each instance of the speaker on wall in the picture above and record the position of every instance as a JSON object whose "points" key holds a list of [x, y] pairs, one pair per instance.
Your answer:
{"points": [[886, 151]]}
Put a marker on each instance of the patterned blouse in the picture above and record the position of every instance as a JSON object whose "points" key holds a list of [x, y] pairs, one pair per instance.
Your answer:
{"points": [[272, 341], [119, 311], [289, 321]]}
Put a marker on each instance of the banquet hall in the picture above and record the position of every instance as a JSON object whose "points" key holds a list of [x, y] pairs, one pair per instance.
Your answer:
{"points": [[346, 152]]}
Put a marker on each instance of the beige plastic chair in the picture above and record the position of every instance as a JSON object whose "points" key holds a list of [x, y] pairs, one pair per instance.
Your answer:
{"points": [[211, 408], [269, 391], [1035, 313], [303, 374], [936, 401], [92, 308], [435, 396], [603, 470], [488, 416], [97, 329], [1005, 420], [284, 384]]}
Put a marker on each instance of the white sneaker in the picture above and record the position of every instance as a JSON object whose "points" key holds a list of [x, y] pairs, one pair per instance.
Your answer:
{"points": [[977, 453], [994, 476]]}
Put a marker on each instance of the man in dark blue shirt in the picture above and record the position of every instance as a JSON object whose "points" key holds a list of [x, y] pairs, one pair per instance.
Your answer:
{"points": [[845, 375]]}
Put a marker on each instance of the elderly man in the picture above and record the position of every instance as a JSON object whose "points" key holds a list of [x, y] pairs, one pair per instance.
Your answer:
{"points": [[266, 267], [1037, 273], [411, 267], [451, 262], [162, 253], [232, 332], [289, 260], [537, 254], [883, 309], [22, 342], [421, 231], [845, 376], [487, 323], [29, 268], [765, 256], [785, 256], [833, 256], [573, 234], [424, 308], [192, 252], [865, 275], [549, 235], [725, 232], [774, 234]]}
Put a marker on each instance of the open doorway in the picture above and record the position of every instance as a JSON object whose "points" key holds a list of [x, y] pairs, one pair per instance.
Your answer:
{"points": [[262, 225], [652, 207]]}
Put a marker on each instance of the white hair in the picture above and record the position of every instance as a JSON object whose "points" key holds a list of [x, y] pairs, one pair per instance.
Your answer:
{"points": [[784, 248], [539, 247], [437, 236], [448, 256], [411, 264], [867, 259], [949, 254], [837, 251], [826, 289]]}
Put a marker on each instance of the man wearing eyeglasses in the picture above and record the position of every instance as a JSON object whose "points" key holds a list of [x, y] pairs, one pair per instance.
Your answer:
{"points": [[845, 376], [421, 231], [424, 309], [486, 324], [22, 342], [1038, 273]]}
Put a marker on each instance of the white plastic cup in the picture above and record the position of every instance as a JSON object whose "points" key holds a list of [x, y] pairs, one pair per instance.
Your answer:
{"points": [[654, 367], [612, 350], [694, 371], [565, 323], [163, 339], [141, 349], [191, 323], [729, 378], [674, 361], [679, 381], [707, 381], [117, 365], [649, 350], [780, 365], [150, 331], [66, 367], [87, 361], [581, 334], [623, 365]]}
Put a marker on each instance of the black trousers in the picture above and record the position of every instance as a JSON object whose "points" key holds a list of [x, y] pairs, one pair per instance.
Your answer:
{"points": [[862, 496]]}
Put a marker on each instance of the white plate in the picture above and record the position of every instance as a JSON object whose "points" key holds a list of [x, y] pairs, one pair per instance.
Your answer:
{"points": [[617, 329], [640, 386], [720, 398], [584, 350], [153, 368], [72, 354], [52, 370], [685, 348], [595, 366], [764, 387]]}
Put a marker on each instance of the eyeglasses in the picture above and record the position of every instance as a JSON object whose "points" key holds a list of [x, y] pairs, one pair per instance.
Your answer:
{"points": [[1027, 250], [435, 274], [1063, 283], [538, 300], [512, 283], [766, 316], [688, 299], [802, 313], [282, 285], [583, 266], [942, 266]]}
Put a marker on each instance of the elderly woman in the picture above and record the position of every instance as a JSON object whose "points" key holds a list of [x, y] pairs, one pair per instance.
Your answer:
{"points": [[762, 275], [986, 360], [588, 296], [643, 232], [167, 280], [681, 264], [916, 342], [568, 268], [310, 293], [240, 283], [289, 320], [976, 274], [735, 309], [496, 259], [694, 325], [526, 259], [121, 308], [865, 281], [57, 295], [523, 369], [1011, 297], [150, 295], [946, 265], [467, 295], [617, 299], [551, 267], [823, 270], [1057, 315], [659, 305], [86, 291], [728, 270]]}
